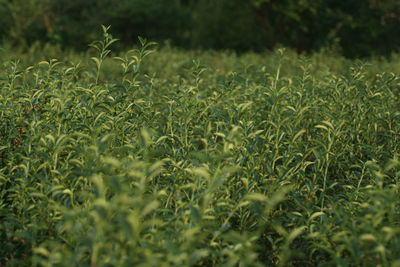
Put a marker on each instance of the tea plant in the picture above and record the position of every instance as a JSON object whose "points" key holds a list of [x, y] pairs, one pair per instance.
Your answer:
{"points": [[173, 162]]}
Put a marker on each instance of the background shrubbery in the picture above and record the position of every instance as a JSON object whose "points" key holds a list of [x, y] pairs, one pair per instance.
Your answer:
{"points": [[357, 28]]}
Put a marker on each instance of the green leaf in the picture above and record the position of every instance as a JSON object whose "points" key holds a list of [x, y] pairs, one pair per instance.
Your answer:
{"points": [[97, 61]]}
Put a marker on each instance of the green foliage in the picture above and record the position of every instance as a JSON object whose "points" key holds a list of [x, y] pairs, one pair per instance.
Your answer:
{"points": [[357, 28], [150, 158], [226, 24], [23, 20]]}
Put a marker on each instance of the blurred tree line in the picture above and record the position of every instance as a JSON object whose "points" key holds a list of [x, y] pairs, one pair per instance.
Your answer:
{"points": [[356, 28]]}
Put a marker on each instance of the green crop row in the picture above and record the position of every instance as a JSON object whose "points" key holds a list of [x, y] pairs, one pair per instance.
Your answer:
{"points": [[152, 159]]}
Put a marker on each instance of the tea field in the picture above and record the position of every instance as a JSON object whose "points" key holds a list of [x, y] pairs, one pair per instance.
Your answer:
{"points": [[174, 158]]}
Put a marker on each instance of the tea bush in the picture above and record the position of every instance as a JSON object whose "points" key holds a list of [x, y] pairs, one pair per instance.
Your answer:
{"points": [[149, 158]]}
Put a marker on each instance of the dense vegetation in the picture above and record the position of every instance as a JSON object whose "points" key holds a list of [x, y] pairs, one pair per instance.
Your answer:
{"points": [[357, 27], [152, 159]]}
